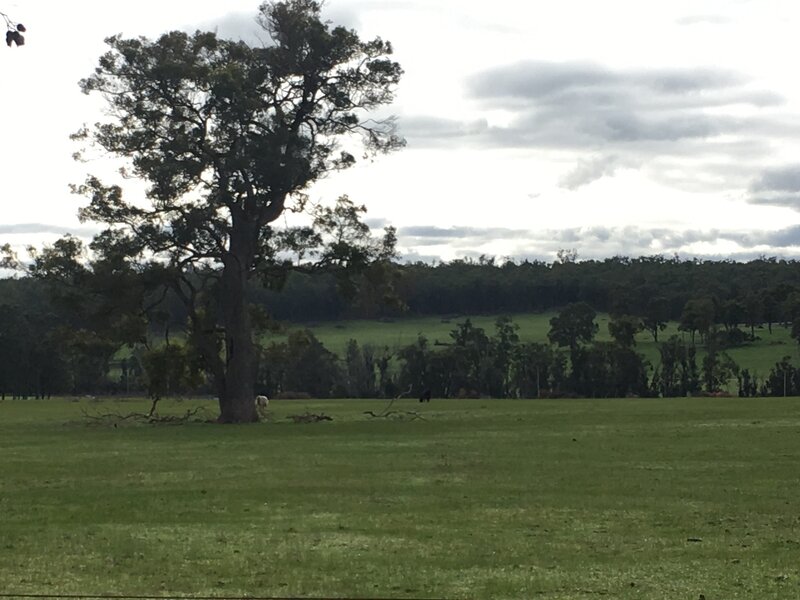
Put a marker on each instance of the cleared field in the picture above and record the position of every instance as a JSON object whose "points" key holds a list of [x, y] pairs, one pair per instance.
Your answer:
{"points": [[480, 499], [402, 332], [759, 356]]}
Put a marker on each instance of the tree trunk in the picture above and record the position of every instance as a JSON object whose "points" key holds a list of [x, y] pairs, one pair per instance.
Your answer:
{"points": [[237, 398]]}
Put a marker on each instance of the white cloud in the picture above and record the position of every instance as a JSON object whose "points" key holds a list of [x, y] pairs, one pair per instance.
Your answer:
{"points": [[497, 100]]}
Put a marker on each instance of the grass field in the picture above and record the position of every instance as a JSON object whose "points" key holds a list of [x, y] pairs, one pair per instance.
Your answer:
{"points": [[759, 356], [480, 499]]}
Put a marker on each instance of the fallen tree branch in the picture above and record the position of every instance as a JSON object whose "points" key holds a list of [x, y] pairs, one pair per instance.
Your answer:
{"points": [[149, 418], [398, 415], [388, 413]]}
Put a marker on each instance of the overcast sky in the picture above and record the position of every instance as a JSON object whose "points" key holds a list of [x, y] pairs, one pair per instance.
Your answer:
{"points": [[624, 127]]}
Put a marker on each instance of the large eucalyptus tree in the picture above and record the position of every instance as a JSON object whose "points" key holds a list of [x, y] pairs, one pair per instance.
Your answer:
{"points": [[227, 136]]}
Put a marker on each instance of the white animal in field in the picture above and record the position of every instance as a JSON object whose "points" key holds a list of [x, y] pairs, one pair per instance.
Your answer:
{"points": [[262, 403]]}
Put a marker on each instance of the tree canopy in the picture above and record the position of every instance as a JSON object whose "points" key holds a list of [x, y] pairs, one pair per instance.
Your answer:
{"points": [[227, 137]]}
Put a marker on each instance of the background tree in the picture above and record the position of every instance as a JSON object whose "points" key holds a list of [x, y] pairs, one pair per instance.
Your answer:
{"points": [[678, 373], [697, 317], [228, 136], [623, 328], [753, 311], [573, 325], [773, 300], [533, 366], [359, 365], [169, 370], [415, 372], [783, 380], [506, 342], [655, 315], [733, 312], [473, 366], [300, 364]]}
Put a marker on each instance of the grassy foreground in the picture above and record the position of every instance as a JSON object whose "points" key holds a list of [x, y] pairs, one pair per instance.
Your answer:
{"points": [[481, 499]]}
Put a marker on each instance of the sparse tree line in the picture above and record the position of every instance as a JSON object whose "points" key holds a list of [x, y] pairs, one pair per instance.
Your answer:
{"points": [[67, 334]]}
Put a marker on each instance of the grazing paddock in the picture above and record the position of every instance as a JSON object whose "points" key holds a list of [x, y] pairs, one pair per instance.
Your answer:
{"points": [[478, 499], [758, 357]]}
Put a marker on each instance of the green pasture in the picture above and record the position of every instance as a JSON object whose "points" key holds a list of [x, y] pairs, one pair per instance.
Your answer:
{"points": [[759, 356], [476, 499], [400, 332]]}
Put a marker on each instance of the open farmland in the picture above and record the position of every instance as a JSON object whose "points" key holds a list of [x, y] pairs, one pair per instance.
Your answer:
{"points": [[478, 499], [758, 356]]}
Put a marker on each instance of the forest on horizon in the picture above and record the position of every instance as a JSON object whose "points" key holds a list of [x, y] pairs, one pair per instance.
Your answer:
{"points": [[61, 337]]}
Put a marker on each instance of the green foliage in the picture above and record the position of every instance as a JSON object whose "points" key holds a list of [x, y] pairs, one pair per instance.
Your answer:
{"points": [[718, 369], [170, 370], [360, 364], [33, 362], [416, 373], [301, 363], [698, 317], [655, 315], [678, 373], [783, 379], [506, 344], [573, 326], [228, 136], [537, 370], [61, 334], [502, 367], [608, 370], [623, 329], [732, 313]]}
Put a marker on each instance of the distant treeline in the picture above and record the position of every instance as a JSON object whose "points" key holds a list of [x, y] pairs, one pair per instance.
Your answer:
{"points": [[623, 285], [55, 340]]}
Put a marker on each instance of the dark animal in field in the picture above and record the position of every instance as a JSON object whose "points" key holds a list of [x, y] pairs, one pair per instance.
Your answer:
{"points": [[426, 396]]}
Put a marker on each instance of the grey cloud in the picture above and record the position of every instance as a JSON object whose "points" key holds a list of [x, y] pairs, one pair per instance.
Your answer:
{"points": [[777, 186], [625, 128], [43, 228], [626, 134], [600, 242], [538, 80], [584, 106], [783, 238], [784, 200], [780, 179], [637, 115], [450, 234], [431, 231], [439, 129]]}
